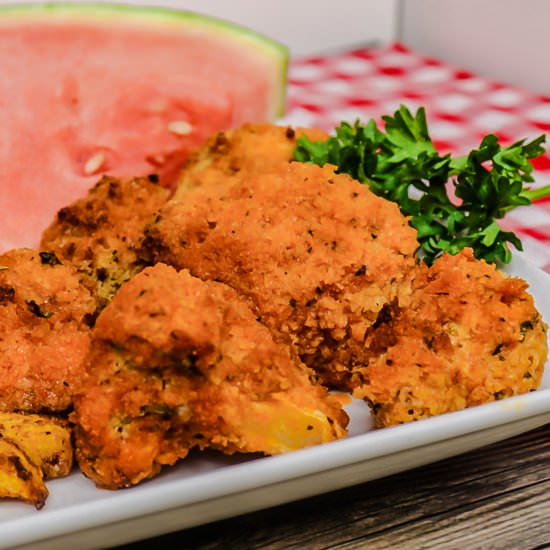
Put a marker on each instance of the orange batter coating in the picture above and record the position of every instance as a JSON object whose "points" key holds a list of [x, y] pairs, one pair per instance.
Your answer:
{"points": [[177, 363], [249, 149], [316, 252], [468, 335], [44, 333], [99, 233]]}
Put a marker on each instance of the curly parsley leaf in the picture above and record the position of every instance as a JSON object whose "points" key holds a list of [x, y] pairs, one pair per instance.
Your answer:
{"points": [[453, 202]]}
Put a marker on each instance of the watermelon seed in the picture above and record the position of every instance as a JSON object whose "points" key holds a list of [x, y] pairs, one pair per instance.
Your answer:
{"points": [[94, 163], [180, 127], [157, 160]]}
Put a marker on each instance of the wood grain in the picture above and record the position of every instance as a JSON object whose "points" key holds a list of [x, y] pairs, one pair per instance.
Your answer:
{"points": [[495, 497]]}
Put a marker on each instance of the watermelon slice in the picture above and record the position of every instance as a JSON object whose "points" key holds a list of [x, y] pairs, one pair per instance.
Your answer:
{"points": [[93, 89]]}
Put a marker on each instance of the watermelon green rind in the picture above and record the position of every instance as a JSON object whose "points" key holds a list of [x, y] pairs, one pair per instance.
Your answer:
{"points": [[275, 52]]}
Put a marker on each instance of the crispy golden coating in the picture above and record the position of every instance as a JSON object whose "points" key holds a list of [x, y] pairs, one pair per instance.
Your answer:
{"points": [[177, 362], [46, 441], [99, 233], [250, 149], [469, 335], [317, 253], [19, 477], [32, 448], [44, 333]]}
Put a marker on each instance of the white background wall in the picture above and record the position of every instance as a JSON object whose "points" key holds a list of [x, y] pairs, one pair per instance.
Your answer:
{"points": [[503, 39]]}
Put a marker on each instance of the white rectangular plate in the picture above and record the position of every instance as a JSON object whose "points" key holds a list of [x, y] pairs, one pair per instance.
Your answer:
{"points": [[209, 486]]}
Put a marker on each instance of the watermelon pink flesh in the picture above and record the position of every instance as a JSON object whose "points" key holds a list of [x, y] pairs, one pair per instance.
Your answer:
{"points": [[78, 100]]}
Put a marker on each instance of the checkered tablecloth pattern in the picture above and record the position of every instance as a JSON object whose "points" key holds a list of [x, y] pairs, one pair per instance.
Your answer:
{"points": [[461, 107]]}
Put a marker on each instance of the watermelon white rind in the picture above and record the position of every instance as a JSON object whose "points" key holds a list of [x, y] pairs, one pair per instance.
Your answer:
{"points": [[126, 14]]}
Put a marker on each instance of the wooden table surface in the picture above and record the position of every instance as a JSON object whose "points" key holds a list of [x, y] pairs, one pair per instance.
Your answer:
{"points": [[497, 497]]}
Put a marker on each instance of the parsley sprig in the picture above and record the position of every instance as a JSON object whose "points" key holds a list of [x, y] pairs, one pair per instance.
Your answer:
{"points": [[453, 202]]}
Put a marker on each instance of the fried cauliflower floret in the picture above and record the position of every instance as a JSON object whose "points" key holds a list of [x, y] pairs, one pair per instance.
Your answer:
{"points": [[19, 478], [99, 233], [32, 448], [469, 335], [44, 332], [45, 440], [177, 362], [250, 149], [316, 252]]}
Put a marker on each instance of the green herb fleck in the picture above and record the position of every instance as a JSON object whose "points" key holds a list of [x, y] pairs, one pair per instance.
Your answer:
{"points": [[7, 294], [49, 258], [35, 309], [160, 409], [115, 345]]}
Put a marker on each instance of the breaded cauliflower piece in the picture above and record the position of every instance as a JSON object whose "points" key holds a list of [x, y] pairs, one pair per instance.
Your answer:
{"points": [[177, 363], [317, 253], [468, 335], [44, 332], [45, 440], [19, 478], [249, 149], [32, 448], [98, 234]]}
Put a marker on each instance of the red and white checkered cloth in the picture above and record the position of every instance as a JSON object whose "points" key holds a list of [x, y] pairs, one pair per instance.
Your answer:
{"points": [[461, 107]]}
